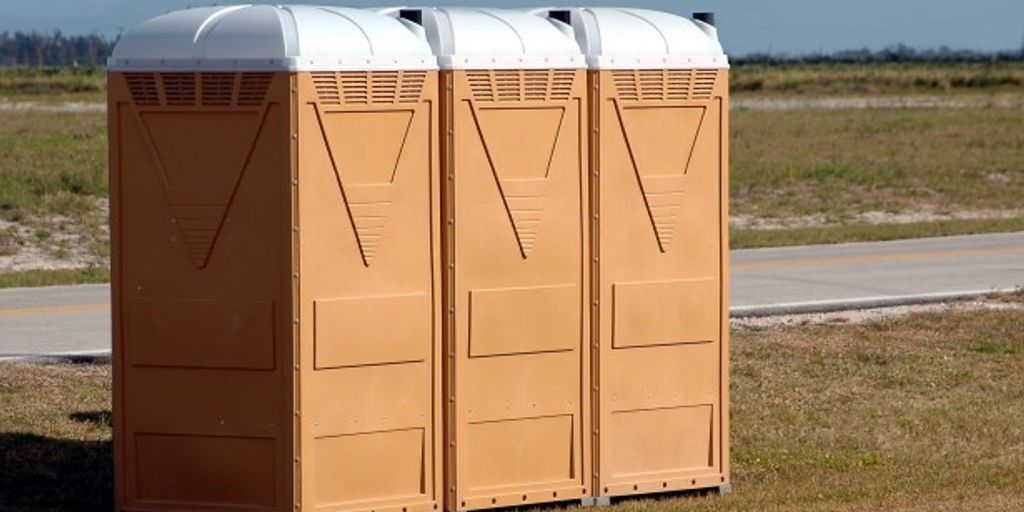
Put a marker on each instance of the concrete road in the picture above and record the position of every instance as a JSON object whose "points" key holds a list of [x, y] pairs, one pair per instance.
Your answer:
{"points": [[850, 276], [76, 319], [54, 320]]}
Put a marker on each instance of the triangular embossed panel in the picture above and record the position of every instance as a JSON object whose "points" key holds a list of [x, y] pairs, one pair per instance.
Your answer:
{"points": [[661, 142], [365, 148], [202, 156], [520, 143]]}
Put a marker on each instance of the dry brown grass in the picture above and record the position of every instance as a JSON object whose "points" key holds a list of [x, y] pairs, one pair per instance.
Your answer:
{"points": [[55, 451], [919, 413]]}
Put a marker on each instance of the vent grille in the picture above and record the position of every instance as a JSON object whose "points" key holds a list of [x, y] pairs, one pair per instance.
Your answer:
{"points": [[143, 89], [198, 89], [254, 88], [375, 88], [664, 85], [218, 89], [179, 89], [521, 85]]}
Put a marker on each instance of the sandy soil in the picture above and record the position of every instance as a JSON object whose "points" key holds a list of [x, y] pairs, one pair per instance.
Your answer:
{"points": [[32, 106], [54, 242], [872, 217]]}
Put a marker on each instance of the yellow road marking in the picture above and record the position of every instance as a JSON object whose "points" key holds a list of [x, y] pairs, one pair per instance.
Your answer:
{"points": [[55, 310], [873, 258]]}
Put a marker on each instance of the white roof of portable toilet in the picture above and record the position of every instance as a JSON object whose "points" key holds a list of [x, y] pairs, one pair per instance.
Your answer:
{"points": [[619, 38], [273, 38], [478, 38]]}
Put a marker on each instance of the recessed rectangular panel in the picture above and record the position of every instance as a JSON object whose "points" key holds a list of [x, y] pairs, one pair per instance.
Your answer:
{"points": [[368, 466], [665, 312], [374, 330], [660, 440], [228, 334], [205, 470], [524, 320], [663, 376], [518, 452]]}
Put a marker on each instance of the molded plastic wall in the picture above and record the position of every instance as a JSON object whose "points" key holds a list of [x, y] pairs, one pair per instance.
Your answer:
{"points": [[392, 289]]}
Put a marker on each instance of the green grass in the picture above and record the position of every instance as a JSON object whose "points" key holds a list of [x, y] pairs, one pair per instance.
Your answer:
{"points": [[53, 176], [29, 278], [51, 163], [53, 85], [919, 413], [843, 162], [895, 78], [746, 238]]}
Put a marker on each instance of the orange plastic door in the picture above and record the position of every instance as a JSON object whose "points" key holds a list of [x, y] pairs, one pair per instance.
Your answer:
{"points": [[200, 209], [368, 222], [660, 205], [517, 328]]}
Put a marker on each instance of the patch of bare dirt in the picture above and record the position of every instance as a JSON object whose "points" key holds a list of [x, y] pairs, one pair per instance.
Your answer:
{"points": [[870, 217], [34, 106], [995, 302], [55, 241]]}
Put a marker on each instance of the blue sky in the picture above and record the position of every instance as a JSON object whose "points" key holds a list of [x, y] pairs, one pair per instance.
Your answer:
{"points": [[782, 26]]}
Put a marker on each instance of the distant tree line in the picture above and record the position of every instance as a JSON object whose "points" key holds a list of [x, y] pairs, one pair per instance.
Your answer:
{"points": [[892, 54], [55, 49]]}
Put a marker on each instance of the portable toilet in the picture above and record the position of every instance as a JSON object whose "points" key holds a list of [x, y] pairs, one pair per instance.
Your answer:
{"points": [[276, 251], [658, 88], [514, 157]]}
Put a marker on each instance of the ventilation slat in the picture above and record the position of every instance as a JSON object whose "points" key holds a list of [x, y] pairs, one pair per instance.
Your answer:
{"points": [[375, 88], [664, 85], [179, 89], [215, 89], [143, 89], [516, 85]]}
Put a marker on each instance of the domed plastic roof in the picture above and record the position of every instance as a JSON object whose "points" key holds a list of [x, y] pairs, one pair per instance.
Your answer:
{"points": [[273, 38], [618, 38], [480, 38]]}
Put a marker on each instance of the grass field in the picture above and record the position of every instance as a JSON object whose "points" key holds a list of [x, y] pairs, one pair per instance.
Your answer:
{"points": [[842, 162], [876, 78], [745, 238], [53, 85], [53, 183], [54, 277], [799, 175], [55, 451], [51, 163], [918, 413]]}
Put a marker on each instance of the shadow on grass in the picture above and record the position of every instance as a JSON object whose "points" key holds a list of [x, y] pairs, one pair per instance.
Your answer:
{"points": [[44, 474], [99, 418]]}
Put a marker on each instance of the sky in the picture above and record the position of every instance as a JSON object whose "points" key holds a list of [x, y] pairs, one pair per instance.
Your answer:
{"points": [[745, 26]]}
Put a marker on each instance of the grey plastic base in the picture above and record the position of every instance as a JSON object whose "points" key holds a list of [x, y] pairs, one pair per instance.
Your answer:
{"points": [[724, 489], [596, 501]]}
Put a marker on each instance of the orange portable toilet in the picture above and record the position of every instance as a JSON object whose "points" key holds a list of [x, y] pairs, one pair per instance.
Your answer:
{"points": [[515, 248], [276, 262], [658, 198]]}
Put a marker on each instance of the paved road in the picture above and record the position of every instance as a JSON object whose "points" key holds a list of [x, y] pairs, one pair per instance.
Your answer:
{"points": [[76, 319], [54, 319], [845, 276]]}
